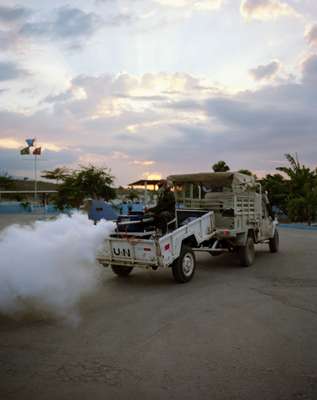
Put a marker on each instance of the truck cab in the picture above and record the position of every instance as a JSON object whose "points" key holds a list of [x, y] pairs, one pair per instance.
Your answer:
{"points": [[242, 212]]}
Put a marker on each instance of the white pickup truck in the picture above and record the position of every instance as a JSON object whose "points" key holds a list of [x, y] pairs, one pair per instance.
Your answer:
{"points": [[124, 251], [215, 213]]}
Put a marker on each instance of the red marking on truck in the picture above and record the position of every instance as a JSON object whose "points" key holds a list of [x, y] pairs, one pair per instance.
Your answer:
{"points": [[147, 249], [167, 247]]}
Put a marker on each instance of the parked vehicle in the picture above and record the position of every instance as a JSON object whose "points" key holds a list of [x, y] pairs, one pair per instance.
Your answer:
{"points": [[215, 213]]}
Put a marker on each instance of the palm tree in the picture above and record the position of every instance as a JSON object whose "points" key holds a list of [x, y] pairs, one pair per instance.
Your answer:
{"points": [[278, 189], [302, 198], [57, 174]]}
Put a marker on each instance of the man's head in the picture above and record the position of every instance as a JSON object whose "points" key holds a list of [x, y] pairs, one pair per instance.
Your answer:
{"points": [[164, 184], [161, 183]]}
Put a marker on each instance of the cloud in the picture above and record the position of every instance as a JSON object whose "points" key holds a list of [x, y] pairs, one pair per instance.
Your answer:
{"points": [[157, 122], [11, 19], [61, 97], [311, 35], [152, 175], [143, 163], [265, 9], [244, 113], [10, 70], [309, 69], [109, 96], [9, 143], [73, 22], [247, 127], [13, 14], [147, 16], [7, 39], [119, 19], [192, 4], [116, 111], [11, 161], [189, 5], [265, 72], [67, 24]]}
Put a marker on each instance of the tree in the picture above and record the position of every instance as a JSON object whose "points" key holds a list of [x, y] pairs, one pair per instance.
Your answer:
{"points": [[86, 182], [132, 194], [6, 182], [278, 190], [245, 172], [57, 174], [221, 166], [248, 172], [302, 197]]}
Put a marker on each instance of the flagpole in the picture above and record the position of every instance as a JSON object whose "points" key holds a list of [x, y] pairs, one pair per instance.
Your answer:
{"points": [[36, 152], [35, 176]]}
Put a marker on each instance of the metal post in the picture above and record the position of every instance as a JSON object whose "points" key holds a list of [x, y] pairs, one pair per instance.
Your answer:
{"points": [[35, 177], [145, 194]]}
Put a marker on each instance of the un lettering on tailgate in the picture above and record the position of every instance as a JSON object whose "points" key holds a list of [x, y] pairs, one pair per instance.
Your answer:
{"points": [[122, 250]]}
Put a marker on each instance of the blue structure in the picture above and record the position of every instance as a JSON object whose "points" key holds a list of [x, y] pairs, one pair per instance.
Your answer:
{"points": [[99, 209], [126, 208], [299, 226], [20, 208]]}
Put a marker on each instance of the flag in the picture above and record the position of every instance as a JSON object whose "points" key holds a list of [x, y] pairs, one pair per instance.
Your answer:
{"points": [[24, 151], [37, 151], [30, 142]]}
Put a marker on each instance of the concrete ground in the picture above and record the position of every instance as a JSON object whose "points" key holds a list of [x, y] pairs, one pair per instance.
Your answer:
{"points": [[231, 333], [21, 219]]}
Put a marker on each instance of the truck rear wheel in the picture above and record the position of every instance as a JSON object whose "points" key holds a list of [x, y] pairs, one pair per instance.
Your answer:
{"points": [[121, 270], [274, 242], [247, 253], [184, 267]]}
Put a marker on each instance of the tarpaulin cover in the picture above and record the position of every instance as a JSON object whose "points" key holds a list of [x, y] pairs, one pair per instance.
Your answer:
{"points": [[213, 178]]}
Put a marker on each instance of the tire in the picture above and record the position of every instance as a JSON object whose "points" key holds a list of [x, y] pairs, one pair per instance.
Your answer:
{"points": [[121, 270], [184, 267], [247, 253], [274, 242]]}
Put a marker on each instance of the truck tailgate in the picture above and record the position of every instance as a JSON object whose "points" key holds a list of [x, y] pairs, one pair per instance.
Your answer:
{"points": [[128, 252]]}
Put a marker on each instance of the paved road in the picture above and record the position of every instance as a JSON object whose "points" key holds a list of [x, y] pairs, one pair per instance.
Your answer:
{"points": [[231, 333], [22, 219]]}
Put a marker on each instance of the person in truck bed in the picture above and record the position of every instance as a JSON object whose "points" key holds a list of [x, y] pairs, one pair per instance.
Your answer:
{"points": [[164, 211]]}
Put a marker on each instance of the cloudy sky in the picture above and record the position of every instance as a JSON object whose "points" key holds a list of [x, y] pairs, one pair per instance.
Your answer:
{"points": [[153, 87]]}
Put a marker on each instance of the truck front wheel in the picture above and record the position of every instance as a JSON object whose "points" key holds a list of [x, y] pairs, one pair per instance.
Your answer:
{"points": [[121, 270], [184, 267], [274, 242], [247, 253]]}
